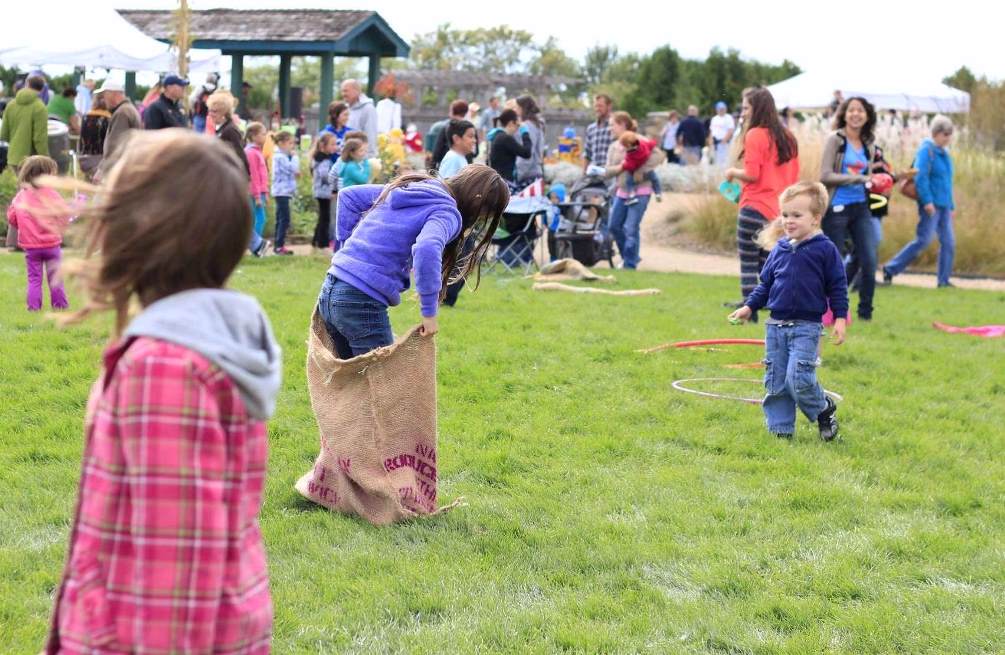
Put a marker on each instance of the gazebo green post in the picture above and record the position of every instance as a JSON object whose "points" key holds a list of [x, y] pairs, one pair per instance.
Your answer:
{"points": [[327, 86], [131, 85], [284, 85], [372, 74], [236, 74]]}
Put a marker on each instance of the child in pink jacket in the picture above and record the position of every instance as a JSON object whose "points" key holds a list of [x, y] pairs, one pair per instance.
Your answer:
{"points": [[165, 552], [259, 185], [41, 239]]}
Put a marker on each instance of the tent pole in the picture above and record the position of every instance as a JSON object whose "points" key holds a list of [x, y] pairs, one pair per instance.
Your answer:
{"points": [[131, 85]]}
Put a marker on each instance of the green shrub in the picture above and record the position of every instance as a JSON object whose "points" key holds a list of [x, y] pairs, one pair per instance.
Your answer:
{"points": [[8, 187]]}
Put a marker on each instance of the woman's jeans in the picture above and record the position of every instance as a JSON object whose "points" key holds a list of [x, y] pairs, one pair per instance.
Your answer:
{"points": [[851, 264], [928, 226], [624, 224], [854, 220], [48, 258], [356, 322], [790, 374]]}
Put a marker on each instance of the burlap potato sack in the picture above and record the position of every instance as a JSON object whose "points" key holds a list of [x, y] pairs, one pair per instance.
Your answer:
{"points": [[377, 418]]}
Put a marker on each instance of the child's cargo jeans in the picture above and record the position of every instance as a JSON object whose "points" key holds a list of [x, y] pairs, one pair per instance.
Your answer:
{"points": [[790, 374]]}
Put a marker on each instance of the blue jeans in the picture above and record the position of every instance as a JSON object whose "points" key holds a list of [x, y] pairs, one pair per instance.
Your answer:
{"points": [[258, 213], [790, 374], [928, 226], [282, 220], [851, 263], [624, 225], [855, 221], [356, 322]]}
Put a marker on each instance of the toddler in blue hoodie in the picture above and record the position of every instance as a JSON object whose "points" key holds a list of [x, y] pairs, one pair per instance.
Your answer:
{"points": [[802, 275], [384, 232]]}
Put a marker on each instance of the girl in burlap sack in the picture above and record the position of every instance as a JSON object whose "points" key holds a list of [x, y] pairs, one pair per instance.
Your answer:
{"points": [[165, 553], [417, 221]]}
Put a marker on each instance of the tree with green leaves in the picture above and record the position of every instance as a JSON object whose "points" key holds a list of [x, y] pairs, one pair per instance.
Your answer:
{"points": [[656, 82], [499, 49], [963, 79], [597, 61]]}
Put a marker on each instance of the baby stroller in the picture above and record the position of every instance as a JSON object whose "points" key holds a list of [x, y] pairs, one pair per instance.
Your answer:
{"points": [[582, 233]]}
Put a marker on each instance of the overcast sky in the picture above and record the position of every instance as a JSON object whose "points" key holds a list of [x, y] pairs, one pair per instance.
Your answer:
{"points": [[912, 40]]}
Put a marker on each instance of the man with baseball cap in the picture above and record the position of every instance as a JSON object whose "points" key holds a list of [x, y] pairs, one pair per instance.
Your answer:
{"points": [[721, 127], [166, 111], [124, 116]]}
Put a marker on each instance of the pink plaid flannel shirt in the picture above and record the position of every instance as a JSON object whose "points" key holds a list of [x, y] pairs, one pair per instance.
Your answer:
{"points": [[166, 555]]}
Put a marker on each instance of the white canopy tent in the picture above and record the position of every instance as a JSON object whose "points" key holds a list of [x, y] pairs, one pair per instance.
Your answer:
{"points": [[97, 37], [814, 90]]}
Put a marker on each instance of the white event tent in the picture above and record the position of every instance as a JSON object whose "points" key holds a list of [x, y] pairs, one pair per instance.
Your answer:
{"points": [[93, 37], [815, 90]]}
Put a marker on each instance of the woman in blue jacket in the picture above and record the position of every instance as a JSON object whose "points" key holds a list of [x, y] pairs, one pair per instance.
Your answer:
{"points": [[934, 182]]}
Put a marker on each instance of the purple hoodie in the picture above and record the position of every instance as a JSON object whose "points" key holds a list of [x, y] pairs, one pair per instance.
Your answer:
{"points": [[409, 229]]}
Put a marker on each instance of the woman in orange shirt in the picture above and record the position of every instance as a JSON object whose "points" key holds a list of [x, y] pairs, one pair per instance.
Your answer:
{"points": [[770, 164]]}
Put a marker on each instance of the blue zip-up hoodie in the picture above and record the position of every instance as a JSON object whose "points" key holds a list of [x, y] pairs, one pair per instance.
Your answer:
{"points": [[934, 180], [798, 281], [410, 228]]}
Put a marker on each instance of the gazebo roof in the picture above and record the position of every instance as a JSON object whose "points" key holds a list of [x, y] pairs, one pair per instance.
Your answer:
{"points": [[279, 31], [478, 78]]}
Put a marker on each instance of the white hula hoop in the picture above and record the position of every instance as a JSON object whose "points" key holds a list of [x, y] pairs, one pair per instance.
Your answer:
{"points": [[679, 386]]}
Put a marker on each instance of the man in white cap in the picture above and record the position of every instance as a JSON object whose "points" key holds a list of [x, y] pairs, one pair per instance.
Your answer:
{"points": [[166, 111], [721, 128], [124, 116]]}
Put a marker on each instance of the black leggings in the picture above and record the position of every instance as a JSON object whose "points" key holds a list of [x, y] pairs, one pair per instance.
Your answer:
{"points": [[752, 257], [321, 230]]}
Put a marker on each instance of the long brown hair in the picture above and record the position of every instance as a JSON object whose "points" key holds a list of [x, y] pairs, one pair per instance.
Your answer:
{"points": [[764, 114], [482, 196], [144, 241]]}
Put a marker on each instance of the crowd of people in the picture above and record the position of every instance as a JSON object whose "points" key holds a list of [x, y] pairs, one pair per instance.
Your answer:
{"points": [[192, 378]]}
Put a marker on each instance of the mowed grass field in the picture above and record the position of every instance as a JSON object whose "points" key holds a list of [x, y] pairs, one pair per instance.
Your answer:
{"points": [[606, 512]]}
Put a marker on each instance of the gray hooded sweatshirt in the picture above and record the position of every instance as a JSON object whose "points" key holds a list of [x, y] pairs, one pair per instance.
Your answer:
{"points": [[363, 117], [227, 328]]}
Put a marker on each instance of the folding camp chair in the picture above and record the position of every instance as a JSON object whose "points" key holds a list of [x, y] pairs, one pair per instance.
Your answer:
{"points": [[513, 242]]}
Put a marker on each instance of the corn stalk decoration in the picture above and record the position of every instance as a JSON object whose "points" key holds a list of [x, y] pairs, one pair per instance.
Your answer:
{"points": [[183, 40]]}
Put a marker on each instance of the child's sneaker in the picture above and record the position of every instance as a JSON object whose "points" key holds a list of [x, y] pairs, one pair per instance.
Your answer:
{"points": [[827, 421], [283, 251], [784, 435], [263, 248]]}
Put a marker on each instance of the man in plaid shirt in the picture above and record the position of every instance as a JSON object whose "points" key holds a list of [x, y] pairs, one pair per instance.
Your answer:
{"points": [[598, 135]]}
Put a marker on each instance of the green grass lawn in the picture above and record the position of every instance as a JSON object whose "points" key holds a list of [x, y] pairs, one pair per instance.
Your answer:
{"points": [[607, 513]]}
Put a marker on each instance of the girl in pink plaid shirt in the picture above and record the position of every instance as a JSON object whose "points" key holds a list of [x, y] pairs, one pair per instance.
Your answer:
{"points": [[166, 554]]}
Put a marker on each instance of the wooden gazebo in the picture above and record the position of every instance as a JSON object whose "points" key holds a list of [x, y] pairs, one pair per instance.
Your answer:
{"points": [[285, 32]]}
